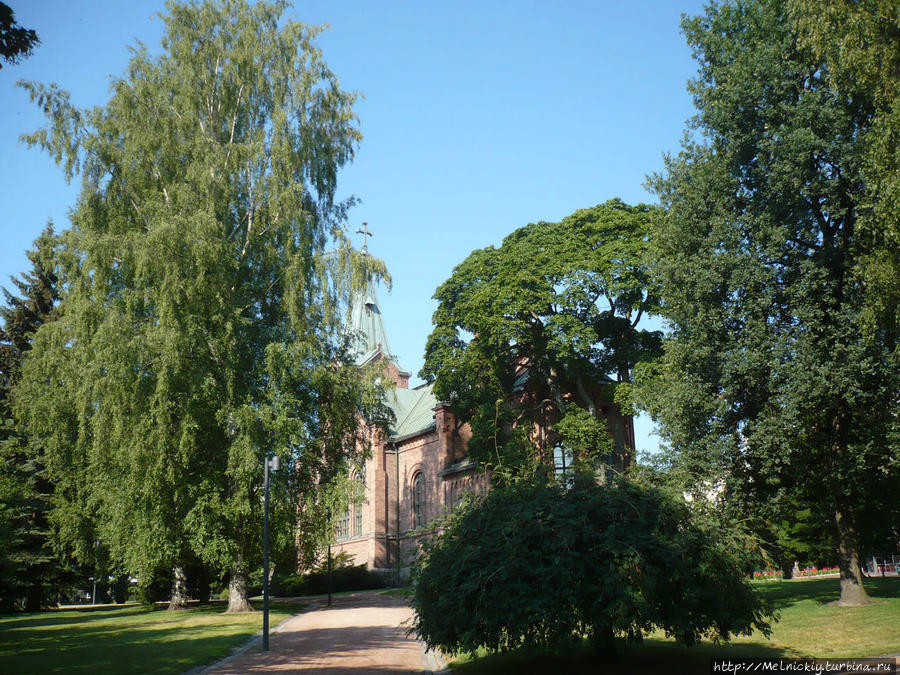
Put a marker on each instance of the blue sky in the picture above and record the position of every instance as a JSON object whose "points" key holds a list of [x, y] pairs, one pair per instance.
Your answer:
{"points": [[477, 118]]}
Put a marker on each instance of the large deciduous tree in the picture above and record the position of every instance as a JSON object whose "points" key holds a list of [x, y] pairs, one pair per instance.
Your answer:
{"points": [[773, 385], [860, 40], [541, 331], [199, 327]]}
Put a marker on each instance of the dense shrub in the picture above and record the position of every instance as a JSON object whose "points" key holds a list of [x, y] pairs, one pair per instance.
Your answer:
{"points": [[540, 565], [154, 588], [343, 578]]}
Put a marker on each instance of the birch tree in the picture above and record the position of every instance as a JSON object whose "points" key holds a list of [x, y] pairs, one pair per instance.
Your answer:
{"points": [[199, 325]]}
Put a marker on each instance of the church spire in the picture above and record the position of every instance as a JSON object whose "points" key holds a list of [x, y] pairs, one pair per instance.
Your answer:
{"points": [[367, 322]]}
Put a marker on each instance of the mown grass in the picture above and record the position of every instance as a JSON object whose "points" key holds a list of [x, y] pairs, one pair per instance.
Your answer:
{"points": [[126, 639], [809, 626]]}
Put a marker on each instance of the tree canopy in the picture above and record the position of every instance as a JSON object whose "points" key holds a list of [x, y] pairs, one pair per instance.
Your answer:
{"points": [[543, 330], [199, 327], [860, 41], [15, 41], [774, 387]]}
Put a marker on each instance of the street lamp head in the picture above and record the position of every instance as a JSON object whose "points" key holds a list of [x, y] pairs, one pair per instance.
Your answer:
{"points": [[275, 463]]}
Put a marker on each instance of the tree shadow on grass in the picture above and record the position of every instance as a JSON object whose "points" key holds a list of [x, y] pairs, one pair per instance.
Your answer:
{"points": [[123, 639], [62, 617], [69, 616], [649, 657], [823, 591], [177, 649], [106, 649]]}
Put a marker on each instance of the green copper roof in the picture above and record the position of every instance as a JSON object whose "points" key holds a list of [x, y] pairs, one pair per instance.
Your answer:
{"points": [[413, 410], [367, 324]]}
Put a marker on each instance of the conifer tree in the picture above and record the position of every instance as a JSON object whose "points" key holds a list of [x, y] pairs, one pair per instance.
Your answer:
{"points": [[29, 567]]}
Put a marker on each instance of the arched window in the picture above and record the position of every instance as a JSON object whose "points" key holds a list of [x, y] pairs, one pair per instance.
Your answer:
{"points": [[419, 500], [359, 506]]}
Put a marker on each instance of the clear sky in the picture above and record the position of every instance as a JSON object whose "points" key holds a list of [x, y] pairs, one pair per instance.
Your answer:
{"points": [[477, 118]]}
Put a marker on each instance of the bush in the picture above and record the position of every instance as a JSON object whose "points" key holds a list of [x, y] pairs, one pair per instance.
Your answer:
{"points": [[155, 588], [543, 566], [343, 578]]}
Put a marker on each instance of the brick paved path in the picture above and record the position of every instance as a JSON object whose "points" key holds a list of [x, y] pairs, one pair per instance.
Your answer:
{"points": [[359, 633]]}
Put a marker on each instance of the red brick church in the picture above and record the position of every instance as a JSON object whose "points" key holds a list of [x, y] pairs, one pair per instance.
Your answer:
{"points": [[419, 469]]}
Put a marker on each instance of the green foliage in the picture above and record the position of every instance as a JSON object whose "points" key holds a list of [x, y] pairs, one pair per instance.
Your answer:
{"points": [[578, 429], [344, 577], [525, 332], [153, 588], [29, 568], [860, 42], [15, 42], [199, 330], [773, 382], [809, 626], [538, 565]]}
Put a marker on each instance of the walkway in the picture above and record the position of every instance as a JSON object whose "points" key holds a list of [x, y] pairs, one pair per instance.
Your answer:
{"points": [[359, 633]]}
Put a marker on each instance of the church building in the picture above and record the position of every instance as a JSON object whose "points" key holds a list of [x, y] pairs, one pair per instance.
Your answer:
{"points": [[420, 468], [415, 472]]}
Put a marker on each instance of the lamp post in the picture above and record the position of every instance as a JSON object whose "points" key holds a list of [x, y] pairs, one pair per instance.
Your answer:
{"points": [[273, 463], [331, 533], [96, 570]]}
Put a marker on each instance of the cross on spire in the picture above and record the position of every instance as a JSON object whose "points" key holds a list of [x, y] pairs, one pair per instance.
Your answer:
{"points": [[364, 231]]}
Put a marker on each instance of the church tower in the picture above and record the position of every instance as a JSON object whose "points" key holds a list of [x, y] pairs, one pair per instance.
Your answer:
{"points": [[366, 324], [415, 471]]}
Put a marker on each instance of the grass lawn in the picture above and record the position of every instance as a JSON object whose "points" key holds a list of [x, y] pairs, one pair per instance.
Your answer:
{"points": [[808, 626], [127, 639], [399, 592]]}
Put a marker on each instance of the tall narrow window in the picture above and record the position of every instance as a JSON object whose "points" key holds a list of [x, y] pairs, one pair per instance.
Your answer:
{"points": [[419, 500], [359, 506], [562, 463], [344, 524]]}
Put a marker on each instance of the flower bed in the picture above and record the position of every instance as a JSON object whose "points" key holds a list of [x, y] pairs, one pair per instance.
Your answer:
{"points": [[808, 572], [817, 571]]}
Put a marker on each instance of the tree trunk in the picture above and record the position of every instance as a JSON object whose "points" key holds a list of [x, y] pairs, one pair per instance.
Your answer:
{"points": [[120, 589], [33, 597], [629, 445], [238, 600], [204, 590], [179, 590], [787, 568], [852, 591]]}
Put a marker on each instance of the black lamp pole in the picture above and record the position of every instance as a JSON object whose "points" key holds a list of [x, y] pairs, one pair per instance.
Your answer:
{"points": [[329, 574], [273, 463]]}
